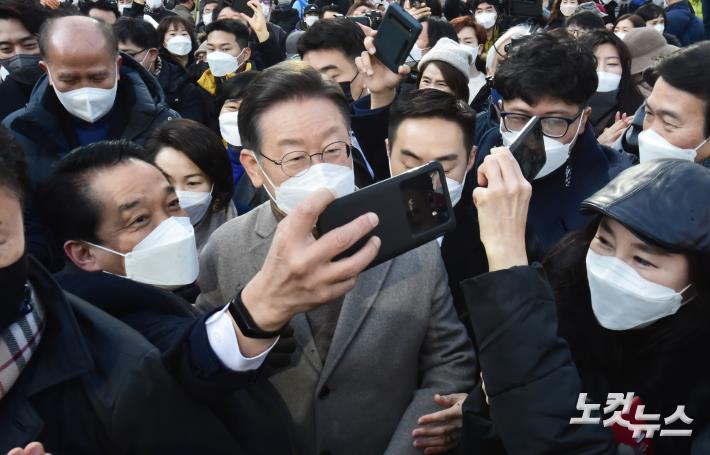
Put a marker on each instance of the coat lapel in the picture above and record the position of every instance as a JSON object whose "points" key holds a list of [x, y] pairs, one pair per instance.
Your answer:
{"points": [[356, 305], [265, 228]]}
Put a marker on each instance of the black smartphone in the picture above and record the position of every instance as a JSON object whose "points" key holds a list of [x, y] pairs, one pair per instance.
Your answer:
{"points": [[396, 36], [528, 148], [414, 208], [242, 7]]}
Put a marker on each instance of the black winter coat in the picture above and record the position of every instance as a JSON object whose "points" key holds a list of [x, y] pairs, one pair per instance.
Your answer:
{"points": [[533, 377], [94, 385]]}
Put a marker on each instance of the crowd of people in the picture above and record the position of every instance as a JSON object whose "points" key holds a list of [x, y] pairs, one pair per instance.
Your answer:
{"points": [[163, 164]]}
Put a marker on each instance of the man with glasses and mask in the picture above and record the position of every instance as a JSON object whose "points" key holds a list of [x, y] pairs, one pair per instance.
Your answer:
{"points": [[553, 78], [139, 40], [90, 93], [367, 365]]}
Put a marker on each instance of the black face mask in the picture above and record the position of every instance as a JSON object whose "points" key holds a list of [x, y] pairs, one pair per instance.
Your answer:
{"points": [[24, 68], [602, 103], [13, 279], [345, 87]]}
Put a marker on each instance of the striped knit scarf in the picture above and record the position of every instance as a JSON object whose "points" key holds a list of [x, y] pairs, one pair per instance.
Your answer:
{"points": [[17, 344]]}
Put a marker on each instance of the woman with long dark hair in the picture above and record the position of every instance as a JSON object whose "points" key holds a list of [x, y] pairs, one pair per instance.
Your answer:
{"points": [[616, 90]]}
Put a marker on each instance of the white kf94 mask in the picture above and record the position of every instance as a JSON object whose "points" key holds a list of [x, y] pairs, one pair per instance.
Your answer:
{"points": [[166, 258]]}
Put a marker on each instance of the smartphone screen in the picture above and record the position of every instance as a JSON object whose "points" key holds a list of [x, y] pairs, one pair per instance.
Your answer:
{"points": [[528, 148]]}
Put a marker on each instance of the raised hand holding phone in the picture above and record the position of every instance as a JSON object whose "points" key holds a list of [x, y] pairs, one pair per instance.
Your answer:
{"points": [[502, 200]]}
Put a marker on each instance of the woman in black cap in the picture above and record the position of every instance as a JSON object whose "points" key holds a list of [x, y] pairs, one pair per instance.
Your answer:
{"points": [[624, 308]]}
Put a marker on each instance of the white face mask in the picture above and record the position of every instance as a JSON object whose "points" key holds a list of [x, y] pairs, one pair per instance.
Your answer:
{"points": [[229, 128], [88, 103], [310, 20], [653, 146], [622, 299], [568, 10], [154, 4], [222, 63], [620, 35], [195, 203], [486, 20], [123, 7], [167, 257], [339, 179], [608, 82], [660, 27], [207, 18], [455, 189], [556, 153], [179, 45]]}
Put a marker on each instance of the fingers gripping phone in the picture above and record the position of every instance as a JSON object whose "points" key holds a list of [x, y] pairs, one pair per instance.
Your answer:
{"points": [[528, 148], [396, 36], [241, 6], [414, 208]]}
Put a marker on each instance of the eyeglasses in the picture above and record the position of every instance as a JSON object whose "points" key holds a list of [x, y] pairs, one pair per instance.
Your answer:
{"points": [[295, 164], [133, 55], [554, 127]]}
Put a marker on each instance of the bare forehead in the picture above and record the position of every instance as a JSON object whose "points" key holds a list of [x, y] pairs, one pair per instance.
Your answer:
{"points": [[76, 36]]}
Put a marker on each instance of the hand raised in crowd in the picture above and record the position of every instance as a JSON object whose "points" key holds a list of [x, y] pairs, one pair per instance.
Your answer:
{"points": [[612, 134], [379, 80], [502, 200], [419, 13], [440, 431], [299, 273], [257, 22], [33, 448]]}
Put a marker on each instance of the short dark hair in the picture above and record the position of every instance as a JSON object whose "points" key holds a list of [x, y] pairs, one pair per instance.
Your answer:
{"points": [[329, 8], [236, 28], [432, 103], [636, 20], [175, 20], [137, 31], [650, 11], [65, 197], [48, 26], [687, 70], [586, 20], [207, 2], [438, 28], [337, 33], [545, 66], [235, 88], [202, 147], [29, 14], [455, 79], [628, 97], [103, 5], [287, 81], [13, 166]]}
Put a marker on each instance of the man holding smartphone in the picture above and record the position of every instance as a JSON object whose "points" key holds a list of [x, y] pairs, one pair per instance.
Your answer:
{"points": [[396, 322]]}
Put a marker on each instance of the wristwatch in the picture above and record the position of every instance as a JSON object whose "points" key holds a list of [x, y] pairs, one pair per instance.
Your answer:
{"points": [[246, 323]]}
